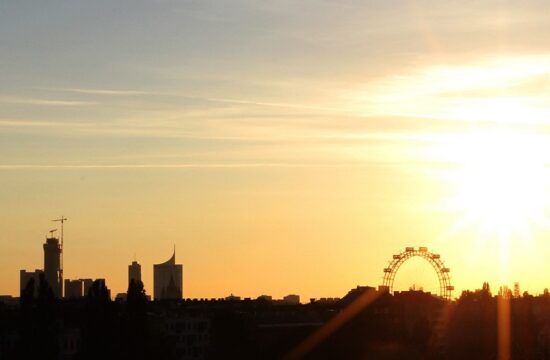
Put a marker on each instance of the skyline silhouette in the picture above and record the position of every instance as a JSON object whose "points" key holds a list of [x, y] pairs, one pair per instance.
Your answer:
{"points": [[339, 178], [364, 322], [168, 278]]}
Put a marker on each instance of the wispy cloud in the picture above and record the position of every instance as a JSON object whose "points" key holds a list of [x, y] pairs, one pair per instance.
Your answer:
{"points": [[487, 90], [350, 131], [31, 124], [180, 166], [43, 102], [275, 104], [106, 92], [222, 100]]}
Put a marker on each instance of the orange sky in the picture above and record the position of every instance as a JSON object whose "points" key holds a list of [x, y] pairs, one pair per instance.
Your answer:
{"points": [[280, 153]]}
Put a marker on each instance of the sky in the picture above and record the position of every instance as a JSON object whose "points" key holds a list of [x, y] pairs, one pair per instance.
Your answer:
{"points": [[281, 147]]}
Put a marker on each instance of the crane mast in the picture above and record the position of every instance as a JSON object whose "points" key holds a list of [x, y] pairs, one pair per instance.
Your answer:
{"points": [[61, 220]]}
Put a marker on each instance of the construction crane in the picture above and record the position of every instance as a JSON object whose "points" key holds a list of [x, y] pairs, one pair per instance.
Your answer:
{"points": [[61, 220]]}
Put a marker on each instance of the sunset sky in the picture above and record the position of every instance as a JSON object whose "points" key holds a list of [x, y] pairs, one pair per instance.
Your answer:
{"points": [[281, 146]]}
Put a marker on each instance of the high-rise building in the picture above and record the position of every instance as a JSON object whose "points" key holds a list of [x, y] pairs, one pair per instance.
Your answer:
{"points": [[26, 276], [168, 279], [52, 265], [81, 287], [87, 284], [74, 288], [103, 285], [134, 272]]}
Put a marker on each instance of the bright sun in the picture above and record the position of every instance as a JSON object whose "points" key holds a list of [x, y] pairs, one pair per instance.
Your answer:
{"points": [[501, 182]]}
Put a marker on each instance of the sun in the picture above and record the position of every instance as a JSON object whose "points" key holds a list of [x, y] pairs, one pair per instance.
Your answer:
{"points": [[501, 181]]}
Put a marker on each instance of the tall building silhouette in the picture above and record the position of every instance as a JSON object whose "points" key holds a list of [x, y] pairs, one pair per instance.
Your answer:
{"points": [[79, 287], [168, 279], [74, 288], [52, 265], [26, 276], [134, 272], [86, 285]]}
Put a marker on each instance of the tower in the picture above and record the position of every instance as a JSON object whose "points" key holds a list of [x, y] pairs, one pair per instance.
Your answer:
{"points": [[61, 220], [168, 279], [134, 272], [52, 265]]}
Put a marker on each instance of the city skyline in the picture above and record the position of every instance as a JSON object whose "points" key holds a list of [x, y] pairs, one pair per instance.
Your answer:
{"points": [[285, 148], [168, 276]]}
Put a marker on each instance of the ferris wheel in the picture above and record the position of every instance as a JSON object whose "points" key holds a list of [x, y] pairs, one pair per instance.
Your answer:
{"points": [[445, 287]]}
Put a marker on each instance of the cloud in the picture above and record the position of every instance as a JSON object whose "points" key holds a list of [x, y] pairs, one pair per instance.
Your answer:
{"points": [[30, 123], [42, 102], [106, 92], [494, 89], [221, 100], [274, 104], [178, 166]]}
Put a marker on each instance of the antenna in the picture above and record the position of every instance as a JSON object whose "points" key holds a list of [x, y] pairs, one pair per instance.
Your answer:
{"points": [[61, 220], [51, 232]]}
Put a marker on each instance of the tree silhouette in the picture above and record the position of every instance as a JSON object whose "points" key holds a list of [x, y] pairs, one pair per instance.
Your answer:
{"points": [[99, 324], [46, 309], [472, 332], [25, 336], [135, 340]]}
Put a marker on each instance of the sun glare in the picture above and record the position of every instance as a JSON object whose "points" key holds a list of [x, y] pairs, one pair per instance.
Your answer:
{"points": [[495, 139], [500, 182]]}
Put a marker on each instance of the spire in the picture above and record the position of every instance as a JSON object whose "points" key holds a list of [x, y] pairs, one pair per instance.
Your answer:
{"points": [[172, 260]]}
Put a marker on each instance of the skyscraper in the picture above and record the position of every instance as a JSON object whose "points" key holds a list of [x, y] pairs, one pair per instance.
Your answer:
{"points": [[134, 272], [168, 279], [26, 276], [52, 265]]}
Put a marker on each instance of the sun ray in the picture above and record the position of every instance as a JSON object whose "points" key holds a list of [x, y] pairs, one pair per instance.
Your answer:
{"points": [[499, 181]]}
